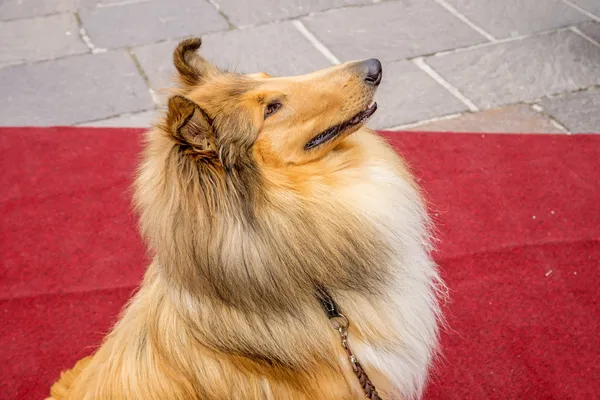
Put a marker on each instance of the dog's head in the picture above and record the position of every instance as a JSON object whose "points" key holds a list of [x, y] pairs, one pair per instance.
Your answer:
{"points": [[229, 117], [227, 168]]}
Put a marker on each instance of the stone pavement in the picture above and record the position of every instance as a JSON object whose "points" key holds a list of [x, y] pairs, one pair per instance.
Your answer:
{"points": [[460, 65]]}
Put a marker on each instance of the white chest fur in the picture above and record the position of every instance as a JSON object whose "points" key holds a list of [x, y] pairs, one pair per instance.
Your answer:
{"points": [[399, 325]]}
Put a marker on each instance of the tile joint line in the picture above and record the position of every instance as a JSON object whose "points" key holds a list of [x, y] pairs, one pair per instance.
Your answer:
{"points": [[420, 122], [540, 110], [85, 38], [578, 32], [315, 42], [582, 10], [419, 62], [120, 3], [466, 20]]}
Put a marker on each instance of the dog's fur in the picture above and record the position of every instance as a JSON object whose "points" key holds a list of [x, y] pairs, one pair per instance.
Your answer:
{"points": [[244, 223]]}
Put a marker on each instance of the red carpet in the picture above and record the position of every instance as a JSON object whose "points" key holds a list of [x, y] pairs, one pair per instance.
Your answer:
{"points": [[518, 218]]}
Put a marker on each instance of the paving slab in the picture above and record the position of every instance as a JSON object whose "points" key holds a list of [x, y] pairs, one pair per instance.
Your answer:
{"points": [[144, 119], [43, 79], [12, 9], [591, 29], [41, 38], [407, 94], [506, 18], [521, 70], [278, 49], [71, 90], [579, 111], [243, 13], [132, 24], [516, 118], [591, 6], [391, 30]]}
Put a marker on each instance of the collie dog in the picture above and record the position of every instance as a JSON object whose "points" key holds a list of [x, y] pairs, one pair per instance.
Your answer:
{"points": [[255, 194]]}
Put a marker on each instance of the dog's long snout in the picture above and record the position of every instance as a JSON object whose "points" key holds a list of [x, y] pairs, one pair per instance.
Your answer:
{"points": [[373, 71]]}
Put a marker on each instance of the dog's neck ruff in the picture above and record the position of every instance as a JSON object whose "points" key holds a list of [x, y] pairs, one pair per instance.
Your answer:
{"points": [[340, 323]]}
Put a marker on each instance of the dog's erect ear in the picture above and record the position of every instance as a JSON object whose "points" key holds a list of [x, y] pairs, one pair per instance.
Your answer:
{"points": [[190, 66], [189, 124]]}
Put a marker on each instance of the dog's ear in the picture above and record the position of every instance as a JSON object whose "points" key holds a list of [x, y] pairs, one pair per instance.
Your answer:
{"points": [[189, 124], [190, 66]]}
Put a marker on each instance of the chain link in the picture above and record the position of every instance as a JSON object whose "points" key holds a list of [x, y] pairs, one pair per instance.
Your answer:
{"points": [[341, 324]]}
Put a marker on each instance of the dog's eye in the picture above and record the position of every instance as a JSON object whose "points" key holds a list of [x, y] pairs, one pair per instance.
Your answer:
{"points": [[272, 109]]}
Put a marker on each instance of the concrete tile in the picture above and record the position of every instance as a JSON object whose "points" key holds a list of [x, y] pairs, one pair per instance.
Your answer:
{"points": [[407, 94], [508, 18], [71, 90], [157, 62], [142, 23], [243, 13], [12, 9], [144, 119], [41, 38], [391, 31], [591, 29], [521, 70], [579, 111], [278, 49], [591, 6], [516, 118]]}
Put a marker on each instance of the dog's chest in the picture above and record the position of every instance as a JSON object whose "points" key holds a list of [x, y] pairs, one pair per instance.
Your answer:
{"points": [[391, 205]]}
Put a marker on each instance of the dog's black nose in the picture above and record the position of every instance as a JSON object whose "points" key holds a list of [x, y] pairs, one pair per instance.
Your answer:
{"points": [[372, 69]]}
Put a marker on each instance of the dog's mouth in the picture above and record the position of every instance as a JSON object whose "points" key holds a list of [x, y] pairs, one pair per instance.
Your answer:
{"points": [[336, 130]]}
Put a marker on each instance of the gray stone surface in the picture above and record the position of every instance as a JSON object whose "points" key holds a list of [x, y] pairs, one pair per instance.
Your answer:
{"points": [[39, 38], [407, 94], [591, 29], [521, 70], [135, 24], [391, 30], [505, 18], [72, 90], [157, 62], [144, 119], [12, 9], [515, 118], [592, 6], [579, 111], [278, 49], [47, 75], [252, 12]]}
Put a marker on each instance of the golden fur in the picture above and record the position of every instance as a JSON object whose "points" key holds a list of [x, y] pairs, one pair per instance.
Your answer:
{"points": [[244, 222]]}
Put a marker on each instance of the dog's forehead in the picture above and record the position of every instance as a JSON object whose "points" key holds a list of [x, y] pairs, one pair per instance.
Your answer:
{"points": [[224, 85]]}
